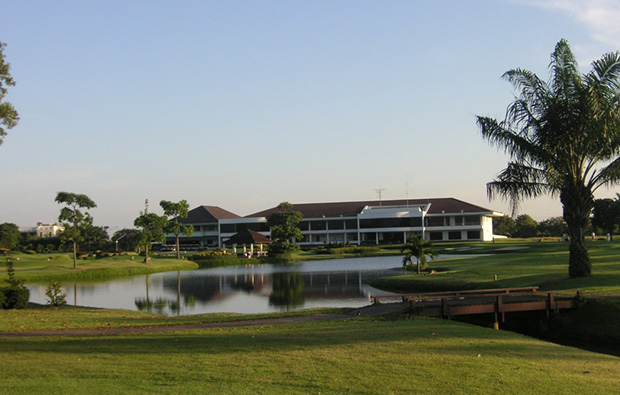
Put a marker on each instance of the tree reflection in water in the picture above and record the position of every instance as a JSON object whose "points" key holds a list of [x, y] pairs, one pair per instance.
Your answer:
{"points": [[287, 290]]}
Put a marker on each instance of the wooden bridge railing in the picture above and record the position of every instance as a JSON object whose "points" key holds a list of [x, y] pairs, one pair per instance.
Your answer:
{"points": [[455, 294]]}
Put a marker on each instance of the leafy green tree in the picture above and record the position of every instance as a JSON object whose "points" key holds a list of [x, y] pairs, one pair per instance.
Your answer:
{"points": [[284, 227], [420, 249], [75, 221], [563, 138], [126, 239], [152, 230], [606, 215], [8, 115], [177, 211], [526, 226], [504, 226], [97, 238], [9, 236], [555, 226]]}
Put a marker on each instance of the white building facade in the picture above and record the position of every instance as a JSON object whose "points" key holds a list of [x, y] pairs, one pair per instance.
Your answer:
{"points": [[371, 222]]}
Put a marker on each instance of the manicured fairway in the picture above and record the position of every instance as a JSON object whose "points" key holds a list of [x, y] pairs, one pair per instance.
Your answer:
{"points": [[516, 264], [45, 267], [363, 356]]}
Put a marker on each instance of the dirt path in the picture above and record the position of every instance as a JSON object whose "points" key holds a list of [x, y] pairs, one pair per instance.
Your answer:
{"points": [[372, 310]]}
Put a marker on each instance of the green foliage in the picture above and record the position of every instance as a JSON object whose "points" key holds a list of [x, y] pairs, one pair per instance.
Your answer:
{"points": [[8, 115], [126, 239], [357, 250], [284, 227], [555, 226], [504, 226], [526, 226], [606, 215], [16, 296], [563, 138], [75, 221], [177, 211], [9, 236], [55, 294], [152, 226], [420, 249]]}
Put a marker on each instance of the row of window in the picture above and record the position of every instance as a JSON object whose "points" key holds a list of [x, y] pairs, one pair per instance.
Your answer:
{"points": [[351, 224], [457, 235]]}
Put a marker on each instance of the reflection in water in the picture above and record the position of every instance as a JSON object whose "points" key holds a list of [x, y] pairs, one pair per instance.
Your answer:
{"points": [[287, 290], [241, 289]]}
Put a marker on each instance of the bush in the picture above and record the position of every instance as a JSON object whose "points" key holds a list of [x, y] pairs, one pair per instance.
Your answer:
{"points": [[31, 252], [16, 298], [54, 293]]}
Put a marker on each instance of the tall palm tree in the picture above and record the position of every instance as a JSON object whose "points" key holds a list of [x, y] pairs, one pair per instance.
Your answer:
{"points": [[563, 138], [420, 249]]}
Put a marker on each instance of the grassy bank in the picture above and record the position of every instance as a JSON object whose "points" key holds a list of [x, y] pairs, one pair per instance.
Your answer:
{"points": [[59, 266], [362, 356], [516, 264], [37, 317]]}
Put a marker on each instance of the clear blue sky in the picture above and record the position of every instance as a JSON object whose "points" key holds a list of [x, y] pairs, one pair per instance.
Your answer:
{"points": [[245, 104]]}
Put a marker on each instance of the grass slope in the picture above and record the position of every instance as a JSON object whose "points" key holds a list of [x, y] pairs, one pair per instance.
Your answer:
{"points": [[362, 356], [530, 264], [45, 267]]}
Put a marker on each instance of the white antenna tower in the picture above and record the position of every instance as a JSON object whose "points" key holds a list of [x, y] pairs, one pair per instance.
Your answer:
{"points": [[379, 192], [407, 188]]}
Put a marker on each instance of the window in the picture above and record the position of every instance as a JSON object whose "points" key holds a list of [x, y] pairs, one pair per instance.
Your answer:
{"points": [[337, 224], [473, 235], [317, 225], [458, 220], [228, 228], [351, 223], [435, 221], [454, 235], [436, 236], [405, 222], [472, 220]]}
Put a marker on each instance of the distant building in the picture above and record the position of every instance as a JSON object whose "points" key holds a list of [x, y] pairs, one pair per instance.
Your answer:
{"points": [[43, 230], [366, 222]]}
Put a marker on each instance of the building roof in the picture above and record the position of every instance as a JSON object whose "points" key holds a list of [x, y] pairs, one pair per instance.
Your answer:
{"points": [[207, 214], [247, 236], [351, 209]]}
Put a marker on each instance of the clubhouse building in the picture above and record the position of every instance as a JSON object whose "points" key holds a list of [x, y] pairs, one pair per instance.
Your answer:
{"points": [[366, 222]]}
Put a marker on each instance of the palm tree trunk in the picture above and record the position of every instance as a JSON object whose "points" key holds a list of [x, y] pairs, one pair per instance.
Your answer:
{"points": [[178, 252], [578, 203]]}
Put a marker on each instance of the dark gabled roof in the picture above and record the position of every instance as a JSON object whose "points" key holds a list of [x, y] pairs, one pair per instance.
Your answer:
{"points": [[247, 236], [351, 209], [207, 214]]}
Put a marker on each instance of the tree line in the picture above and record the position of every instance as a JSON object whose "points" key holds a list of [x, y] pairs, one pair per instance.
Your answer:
{"points": [[605, 220], [80, 233]]}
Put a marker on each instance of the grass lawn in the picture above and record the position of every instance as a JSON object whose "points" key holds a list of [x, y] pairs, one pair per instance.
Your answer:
{"points": [[348, 355], [358, 355], [37, 317], [516, 264], [45, 267]]}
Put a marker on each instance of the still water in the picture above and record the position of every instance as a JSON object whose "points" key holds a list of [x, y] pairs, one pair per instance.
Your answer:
{"points": [[238, 289]]}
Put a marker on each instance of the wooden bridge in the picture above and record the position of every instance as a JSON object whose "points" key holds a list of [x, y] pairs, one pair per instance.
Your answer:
{"points": [[485, 301]]}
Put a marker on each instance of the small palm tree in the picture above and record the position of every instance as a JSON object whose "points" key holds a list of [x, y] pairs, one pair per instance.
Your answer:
{"points": [[563, 138], [420, 249]]}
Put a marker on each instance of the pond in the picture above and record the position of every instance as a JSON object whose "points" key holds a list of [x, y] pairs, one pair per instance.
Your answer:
{"points": [[238, 289]]}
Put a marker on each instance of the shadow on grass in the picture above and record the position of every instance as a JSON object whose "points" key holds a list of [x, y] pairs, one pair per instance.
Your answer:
{"points": [[433, 335]]}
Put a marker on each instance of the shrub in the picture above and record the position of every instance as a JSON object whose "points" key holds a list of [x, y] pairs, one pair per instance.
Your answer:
{"points": [[54, 293], [31, 252], [16, 296]]}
